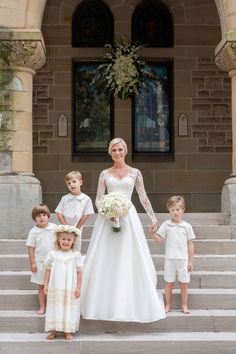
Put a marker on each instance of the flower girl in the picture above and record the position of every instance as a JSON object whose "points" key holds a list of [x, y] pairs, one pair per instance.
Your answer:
{"points": [[62, 284]]}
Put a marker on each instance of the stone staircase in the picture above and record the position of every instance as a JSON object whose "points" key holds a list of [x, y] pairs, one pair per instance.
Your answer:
{"points": [[209, 328]]}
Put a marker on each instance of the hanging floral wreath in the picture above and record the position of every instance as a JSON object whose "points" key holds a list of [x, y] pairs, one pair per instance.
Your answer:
{"points": [[122, 75]]}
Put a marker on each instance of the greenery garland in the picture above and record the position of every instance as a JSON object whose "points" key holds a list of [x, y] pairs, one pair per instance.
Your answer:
{"points": [[122, 75]]}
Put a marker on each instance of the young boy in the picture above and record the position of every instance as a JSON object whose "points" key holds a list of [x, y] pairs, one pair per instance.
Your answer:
{"points": [[40, 242], [179, 251], [75, 207]]}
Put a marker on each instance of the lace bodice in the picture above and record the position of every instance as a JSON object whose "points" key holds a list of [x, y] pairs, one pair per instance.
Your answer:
{"points": [[125, 185]]}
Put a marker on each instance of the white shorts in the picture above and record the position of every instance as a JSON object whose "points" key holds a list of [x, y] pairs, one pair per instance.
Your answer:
{"points": [[176, 267], [38, 277]]}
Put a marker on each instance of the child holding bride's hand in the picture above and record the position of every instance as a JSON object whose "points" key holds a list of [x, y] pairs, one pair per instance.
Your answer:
{"points": [[62, 284]]}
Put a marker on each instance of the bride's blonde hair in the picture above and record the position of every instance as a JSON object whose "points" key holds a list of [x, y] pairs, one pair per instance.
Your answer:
{"points": [[117, 141]]}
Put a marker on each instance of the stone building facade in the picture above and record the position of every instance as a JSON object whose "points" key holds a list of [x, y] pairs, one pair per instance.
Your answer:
{"points": [[202, 91], [203, 55]]}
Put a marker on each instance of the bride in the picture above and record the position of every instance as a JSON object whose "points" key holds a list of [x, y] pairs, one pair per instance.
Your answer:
{"points": [[119, 278]]}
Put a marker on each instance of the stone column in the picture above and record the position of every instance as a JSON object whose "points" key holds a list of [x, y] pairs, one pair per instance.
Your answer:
{"points": [[21, 53], [226, 60]]}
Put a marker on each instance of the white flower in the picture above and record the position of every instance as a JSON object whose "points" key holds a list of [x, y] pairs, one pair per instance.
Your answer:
{"points": [[123, 74], [113, 206], [68, 229]]}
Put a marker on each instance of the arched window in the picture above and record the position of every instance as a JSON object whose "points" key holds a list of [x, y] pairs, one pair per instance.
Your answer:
{"points": [[92, 24], [152, 24]]}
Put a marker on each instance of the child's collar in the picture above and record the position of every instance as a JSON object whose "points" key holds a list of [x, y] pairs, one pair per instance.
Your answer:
{"points": [[76, 196], [49, 226], [171, 222]]}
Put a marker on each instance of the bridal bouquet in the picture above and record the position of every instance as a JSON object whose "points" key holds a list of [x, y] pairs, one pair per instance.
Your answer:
{"points": [[113, 206]]}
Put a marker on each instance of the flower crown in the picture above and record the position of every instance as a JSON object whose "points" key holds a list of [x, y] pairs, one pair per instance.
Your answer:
{"points": [[67, 228]]}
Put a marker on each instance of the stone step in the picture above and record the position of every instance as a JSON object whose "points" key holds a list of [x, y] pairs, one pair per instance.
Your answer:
{"points": [[204, 262], [198, 299], [205, 225], [201, 246], [121, 343], [198, 320], [192, 218], [201, 262], [16, 280], [199, 279], [201, 232]]}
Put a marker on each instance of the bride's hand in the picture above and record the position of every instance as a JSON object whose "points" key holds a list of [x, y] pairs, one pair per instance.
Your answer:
{"points": [[153, 228]]}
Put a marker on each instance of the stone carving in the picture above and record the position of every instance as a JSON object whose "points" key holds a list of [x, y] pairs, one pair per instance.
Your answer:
{"points": [[26, 53], [226, 58], [62, 125]]}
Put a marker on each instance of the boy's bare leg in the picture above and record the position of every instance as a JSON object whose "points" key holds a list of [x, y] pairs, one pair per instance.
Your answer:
{"points": [[184, 297], [42, 297], [168, 296]]}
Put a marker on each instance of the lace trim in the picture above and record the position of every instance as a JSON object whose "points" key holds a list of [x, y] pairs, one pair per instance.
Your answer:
{"points": [[139, 185], [63, 297]]}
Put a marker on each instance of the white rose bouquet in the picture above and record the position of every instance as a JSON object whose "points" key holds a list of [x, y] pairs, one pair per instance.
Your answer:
{"points": [[113, 206]]}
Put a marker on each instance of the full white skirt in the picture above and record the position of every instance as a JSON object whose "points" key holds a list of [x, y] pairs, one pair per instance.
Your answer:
{"points": [[119, 279]]}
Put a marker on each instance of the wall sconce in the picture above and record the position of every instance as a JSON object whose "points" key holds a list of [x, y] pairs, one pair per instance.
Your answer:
{"points": [[183, 125], [62, 125]]}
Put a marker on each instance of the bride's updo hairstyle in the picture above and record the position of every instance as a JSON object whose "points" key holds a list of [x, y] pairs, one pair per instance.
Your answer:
{"points": [[117, 141]]}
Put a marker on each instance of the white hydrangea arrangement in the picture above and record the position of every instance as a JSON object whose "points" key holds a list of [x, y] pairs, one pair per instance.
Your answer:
{"points": [[113, 206], [68, 229], [122, 75]]}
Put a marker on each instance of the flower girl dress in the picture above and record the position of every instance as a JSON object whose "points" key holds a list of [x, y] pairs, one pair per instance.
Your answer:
{"points": [[119, 278]]}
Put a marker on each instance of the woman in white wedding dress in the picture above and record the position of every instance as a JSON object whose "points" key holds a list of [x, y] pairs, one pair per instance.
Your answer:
{"points": [[119, 278]]}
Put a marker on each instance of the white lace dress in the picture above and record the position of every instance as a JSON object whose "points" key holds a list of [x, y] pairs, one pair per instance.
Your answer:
{"points": [[119, 278], [63, 308]]}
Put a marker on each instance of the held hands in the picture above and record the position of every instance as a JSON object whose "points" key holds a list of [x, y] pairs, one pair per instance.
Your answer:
{"points": [[153, 228], [156, 237], [77, 293]]}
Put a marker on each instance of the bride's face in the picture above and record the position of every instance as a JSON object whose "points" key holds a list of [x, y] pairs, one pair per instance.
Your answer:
{"points": [[118, 152]]}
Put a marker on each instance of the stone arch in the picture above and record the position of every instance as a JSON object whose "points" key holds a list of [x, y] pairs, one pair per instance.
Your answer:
{"points": [[26, 14], [227, 14]]}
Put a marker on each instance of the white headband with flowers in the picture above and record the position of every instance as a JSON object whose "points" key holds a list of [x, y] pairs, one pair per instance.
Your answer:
{"points": [[67, 228]]}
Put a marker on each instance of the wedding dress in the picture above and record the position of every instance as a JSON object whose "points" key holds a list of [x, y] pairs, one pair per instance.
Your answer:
{"points": [[119, 278]]}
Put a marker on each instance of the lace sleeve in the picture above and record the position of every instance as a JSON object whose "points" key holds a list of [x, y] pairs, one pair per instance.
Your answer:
{"points": [[49, 260], [139, 185], [101, 188], [79, 263]]}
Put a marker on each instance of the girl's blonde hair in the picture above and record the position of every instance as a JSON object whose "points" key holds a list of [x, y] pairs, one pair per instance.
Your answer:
{"points": [[117, 141], [73, 174], [59, 229], [175, 199], [40, 209]]}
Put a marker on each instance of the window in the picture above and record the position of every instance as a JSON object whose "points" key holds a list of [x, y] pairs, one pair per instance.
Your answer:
{"points": [[92, 24], [92, 112], [152, 113], [152, 24]]}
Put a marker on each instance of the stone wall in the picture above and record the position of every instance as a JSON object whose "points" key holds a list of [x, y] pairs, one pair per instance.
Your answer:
{"points": [[201, 91]]}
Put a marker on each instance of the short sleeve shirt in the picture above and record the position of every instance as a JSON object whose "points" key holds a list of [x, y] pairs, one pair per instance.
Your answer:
{"points": [[73, 207], [176, 237], [42, 239]]}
